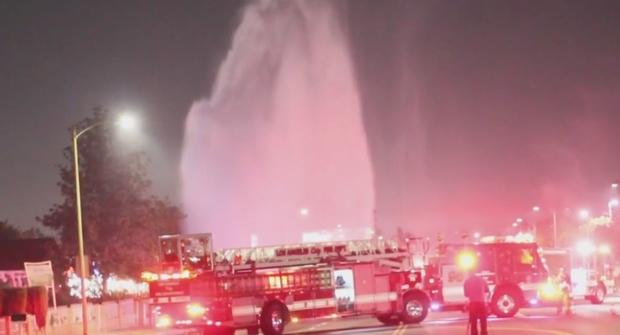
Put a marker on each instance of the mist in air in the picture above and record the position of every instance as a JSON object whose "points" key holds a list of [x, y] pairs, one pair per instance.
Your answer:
{"points": [[279, 149], [437, 117]]}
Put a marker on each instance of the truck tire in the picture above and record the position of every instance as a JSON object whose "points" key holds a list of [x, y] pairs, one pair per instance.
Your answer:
{"points": [[505, 302], [273, 318], [389, 319], [415, 307], [599, 295]]}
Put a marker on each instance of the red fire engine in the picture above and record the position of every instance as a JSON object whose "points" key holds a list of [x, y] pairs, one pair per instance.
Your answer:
{"points": [[267, 287], [514, 271]]}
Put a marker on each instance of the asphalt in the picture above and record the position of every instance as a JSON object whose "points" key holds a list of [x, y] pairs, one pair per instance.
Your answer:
{"points": [[588, 319]]}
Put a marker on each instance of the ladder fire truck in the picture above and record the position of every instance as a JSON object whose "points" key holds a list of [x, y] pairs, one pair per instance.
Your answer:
{"points": [[267, 287]]}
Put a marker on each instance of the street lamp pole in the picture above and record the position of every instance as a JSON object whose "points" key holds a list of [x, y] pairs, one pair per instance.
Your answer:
{"points": [[555, 230], [610, 207], [125, 121], [78, 205]]}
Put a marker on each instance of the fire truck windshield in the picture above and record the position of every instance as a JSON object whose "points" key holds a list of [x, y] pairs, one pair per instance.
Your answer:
{"points": [[186, 252], [169, 250], [196, 253]]}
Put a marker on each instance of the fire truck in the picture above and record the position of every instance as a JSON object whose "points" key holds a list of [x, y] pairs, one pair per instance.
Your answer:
{"points": [[514, 272], [265, 288], [590, 273]]}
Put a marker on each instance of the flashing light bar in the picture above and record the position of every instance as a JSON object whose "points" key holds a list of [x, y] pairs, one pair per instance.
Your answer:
{"points": [[466, 260], [150, 276]]}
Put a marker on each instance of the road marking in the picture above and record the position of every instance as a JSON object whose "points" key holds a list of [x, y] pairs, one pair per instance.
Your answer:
{"points": [[544, 331], [531, 331], [398, 330]]}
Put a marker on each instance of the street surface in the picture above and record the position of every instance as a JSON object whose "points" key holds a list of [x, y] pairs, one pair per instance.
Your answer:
{"points": [[588, 320]]}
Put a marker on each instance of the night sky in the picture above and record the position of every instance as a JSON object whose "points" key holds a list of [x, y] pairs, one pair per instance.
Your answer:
{"points": [[475, 110]]}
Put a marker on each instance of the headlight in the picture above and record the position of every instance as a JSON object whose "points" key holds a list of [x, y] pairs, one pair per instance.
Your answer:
{"points": [[550, 291], [163, 321], [196, 310]]}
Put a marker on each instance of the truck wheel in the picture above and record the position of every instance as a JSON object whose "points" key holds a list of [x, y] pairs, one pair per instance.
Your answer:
{"points": [[505, 303], [415, 307], [599, 295], [273, 318], [389, 319]]}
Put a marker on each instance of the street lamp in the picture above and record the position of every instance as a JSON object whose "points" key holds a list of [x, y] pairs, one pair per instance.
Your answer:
{"points": [[610, 206], [304, 211], [125, 121], [584, 214]]}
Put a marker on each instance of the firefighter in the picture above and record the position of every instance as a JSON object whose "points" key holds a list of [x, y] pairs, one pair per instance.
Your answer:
{"points": [[561, 279], [476, 290]]}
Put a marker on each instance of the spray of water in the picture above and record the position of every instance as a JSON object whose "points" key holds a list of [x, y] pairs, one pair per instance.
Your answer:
{"points": [[279, 148]]}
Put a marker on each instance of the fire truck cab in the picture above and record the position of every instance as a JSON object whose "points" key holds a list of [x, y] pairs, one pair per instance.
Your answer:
{"points": [[514, 272], [267, 287]]}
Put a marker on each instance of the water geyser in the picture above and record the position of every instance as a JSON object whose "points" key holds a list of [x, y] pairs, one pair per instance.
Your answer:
{"points": [[278, 149]]}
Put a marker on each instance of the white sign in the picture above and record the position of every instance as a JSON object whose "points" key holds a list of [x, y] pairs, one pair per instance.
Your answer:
{"points": [[40, 274]]}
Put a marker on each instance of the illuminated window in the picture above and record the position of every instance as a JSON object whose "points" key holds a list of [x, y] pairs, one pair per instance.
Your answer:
{"points": [[274, 282], [525, 259]]}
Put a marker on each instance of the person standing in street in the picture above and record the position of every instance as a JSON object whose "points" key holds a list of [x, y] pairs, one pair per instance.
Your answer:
{"points": [[476, 290], [564, 303]]}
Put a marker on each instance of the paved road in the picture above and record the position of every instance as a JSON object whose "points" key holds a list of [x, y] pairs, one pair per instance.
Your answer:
{"points": [[588, 320]]}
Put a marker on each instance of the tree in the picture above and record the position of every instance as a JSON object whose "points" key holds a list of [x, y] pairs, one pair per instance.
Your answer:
{"points": [[594, 223], [121, 218], [32, 233], [8, 232]]}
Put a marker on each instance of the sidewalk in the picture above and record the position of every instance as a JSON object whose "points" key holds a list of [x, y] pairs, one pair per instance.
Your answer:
{"points": [[150, 331], [78, 331]]}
